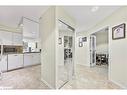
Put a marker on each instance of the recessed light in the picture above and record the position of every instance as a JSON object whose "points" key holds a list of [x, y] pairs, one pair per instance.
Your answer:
{"points": [[21, 25], [94, 9]]}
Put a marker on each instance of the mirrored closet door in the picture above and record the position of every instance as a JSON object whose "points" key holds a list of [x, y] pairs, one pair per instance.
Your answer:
{"points": [[65, 53]]}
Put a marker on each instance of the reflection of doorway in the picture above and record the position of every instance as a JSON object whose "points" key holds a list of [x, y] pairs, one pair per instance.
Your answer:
{"points": [[92, 50], [66, 54], [99, 54]]}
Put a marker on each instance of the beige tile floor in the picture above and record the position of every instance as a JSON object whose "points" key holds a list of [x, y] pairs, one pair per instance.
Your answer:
{"points": [[85, 78], [91, 78], [62, 75], [26, 78]]}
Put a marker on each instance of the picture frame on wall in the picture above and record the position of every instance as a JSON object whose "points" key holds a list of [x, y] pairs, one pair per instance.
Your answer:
{"points": [[60, 41], [80, 44], [84, 39], [118, 32]]}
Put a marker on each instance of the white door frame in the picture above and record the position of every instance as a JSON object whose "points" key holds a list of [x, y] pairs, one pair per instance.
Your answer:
{"points": [[92, 51]]}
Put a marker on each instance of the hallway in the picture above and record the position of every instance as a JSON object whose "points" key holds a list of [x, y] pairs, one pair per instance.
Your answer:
{"points": [[91, 78], [86, 78]]}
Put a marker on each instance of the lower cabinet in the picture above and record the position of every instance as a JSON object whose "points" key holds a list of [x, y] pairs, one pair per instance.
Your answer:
{"points": [[32, 59], [36, 58], [15, 61], [3, 63], [28, 59]]}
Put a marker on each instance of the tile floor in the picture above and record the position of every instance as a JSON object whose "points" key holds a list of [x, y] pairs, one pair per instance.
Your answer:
{"points": [[91, 78], [85, 78], [26, 78]]}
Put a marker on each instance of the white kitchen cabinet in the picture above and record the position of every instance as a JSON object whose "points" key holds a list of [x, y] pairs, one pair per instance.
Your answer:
{"points": [[17, 39], [3, 63], [36, 58], [10, 38], [6, 37], [15, 61], [28, 59], [32, 59], [30, 29]]}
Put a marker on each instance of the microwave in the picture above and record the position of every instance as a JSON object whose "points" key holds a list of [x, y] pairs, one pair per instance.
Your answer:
{"points": [[9, 50]]}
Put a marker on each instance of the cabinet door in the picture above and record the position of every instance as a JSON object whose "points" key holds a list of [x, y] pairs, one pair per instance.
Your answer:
{"points": [[3, 63], [28, 59], [6, 37], [30, 29], [15, 61], [17, 39], [36, 58]]}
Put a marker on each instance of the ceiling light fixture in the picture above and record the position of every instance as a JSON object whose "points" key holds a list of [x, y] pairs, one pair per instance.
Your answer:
{"points": [[20, 25], [94, 9]]}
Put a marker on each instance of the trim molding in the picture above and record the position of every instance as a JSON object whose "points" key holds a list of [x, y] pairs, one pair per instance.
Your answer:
{"points": [[50, 87], [120, 85], [83, 64]]}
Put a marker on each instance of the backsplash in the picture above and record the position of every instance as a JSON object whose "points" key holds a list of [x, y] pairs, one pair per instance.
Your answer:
{"points": [[12, 49]]}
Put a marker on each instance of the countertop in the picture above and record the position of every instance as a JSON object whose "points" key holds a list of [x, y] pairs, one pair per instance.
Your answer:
{"points": [[11, 53], [31, 52], [20, 53]]}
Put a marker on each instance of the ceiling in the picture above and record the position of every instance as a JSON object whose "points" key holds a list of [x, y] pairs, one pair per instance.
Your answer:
{"points": [[11, 15], [88, 16], [85, 18]]}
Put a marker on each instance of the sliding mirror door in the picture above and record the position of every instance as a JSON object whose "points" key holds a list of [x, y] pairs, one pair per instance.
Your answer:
{"points": [[65, 54]]}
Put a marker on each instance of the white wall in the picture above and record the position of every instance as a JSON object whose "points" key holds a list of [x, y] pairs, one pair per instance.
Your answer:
{"points": [[117, 48], [48, 54], [81, 52], [102, 42], [65, 17], [102, 49], [49, 40]]}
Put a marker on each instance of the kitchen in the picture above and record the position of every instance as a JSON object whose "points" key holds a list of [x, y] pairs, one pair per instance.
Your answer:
{"points": [[20, 46]]}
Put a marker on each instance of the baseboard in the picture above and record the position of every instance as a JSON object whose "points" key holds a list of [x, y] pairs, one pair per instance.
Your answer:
{"points": [[83, 64], [47, 84], [120, 85]]}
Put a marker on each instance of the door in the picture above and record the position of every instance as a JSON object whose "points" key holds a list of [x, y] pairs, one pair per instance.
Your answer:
{"points": [[36, 58], [66, 55], [92, 50], [28, 59]]}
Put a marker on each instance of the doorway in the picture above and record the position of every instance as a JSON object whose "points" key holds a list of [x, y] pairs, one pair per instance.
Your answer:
{"points": [[66, 53], [99, 51]]}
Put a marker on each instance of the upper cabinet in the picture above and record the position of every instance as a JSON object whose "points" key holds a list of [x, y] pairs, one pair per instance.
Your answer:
{"points": [[6, 38], [10, 38], [30, 29], [17, 39]]}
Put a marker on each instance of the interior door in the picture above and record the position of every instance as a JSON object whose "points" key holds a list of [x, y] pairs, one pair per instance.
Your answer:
{"points": [[92, 50]]}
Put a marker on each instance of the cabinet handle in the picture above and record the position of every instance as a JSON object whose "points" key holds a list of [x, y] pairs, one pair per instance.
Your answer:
{"points": [[15, 55]]}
